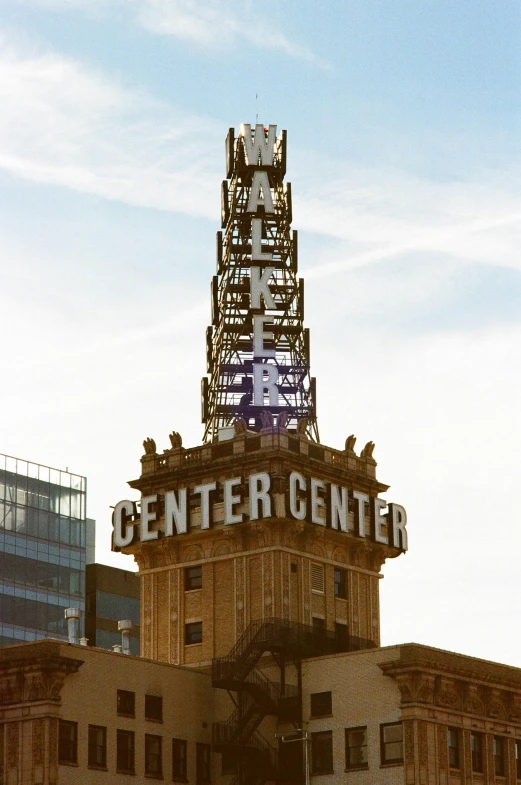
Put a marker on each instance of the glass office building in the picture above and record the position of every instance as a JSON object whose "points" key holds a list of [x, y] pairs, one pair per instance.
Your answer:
{"points": [[42, 550]]}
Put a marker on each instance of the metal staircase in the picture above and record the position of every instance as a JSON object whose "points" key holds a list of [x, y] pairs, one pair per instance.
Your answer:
{"points": [[256, 762]]}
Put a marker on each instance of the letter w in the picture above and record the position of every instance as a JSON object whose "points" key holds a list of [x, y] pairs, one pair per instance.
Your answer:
{"points": [[260, 147]]}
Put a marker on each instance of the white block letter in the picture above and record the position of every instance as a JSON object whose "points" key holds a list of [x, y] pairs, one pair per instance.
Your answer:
{"points": [[259, 492], [260, 194], [297, 506], [205, 491], [147, 516], [259, 286], [123, 531], [260, 146], [317, 502], [259, 336], [230, 500], [270, 384], [256, 243], [339, 507], [175, 512], [362, 500], [399, 522], [379, 521]]}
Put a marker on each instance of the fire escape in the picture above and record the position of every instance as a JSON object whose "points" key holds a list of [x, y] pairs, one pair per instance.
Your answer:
{"points": [[256, 762]]}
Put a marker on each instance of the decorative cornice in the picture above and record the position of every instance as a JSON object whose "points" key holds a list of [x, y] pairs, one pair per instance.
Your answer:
{"points": [[457, 683], [34, 672]]}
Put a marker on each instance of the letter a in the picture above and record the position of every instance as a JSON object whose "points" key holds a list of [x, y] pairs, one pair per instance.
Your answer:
{"points": [[260, 194]]}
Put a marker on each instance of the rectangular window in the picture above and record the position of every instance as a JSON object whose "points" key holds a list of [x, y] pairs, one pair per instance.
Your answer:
{"points": [[499, 756], [97, 746], [125, 751], [319, 625], [322, 752], [193, 633], [317, 578], [391, 743], [202, 764], [518, 760], [321, 704], [178, 759], [356, 748], [153, 758], [294, 567], [154, 707], [67, 742], [126, 703], [193, 578], [340, 584], [341, 636], [453, 738], [476, 749]]}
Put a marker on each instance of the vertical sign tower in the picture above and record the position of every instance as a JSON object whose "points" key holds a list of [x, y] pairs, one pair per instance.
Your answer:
{"points": [[257, 348]]}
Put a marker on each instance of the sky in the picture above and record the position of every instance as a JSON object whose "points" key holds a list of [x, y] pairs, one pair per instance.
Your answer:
{"points": [[403, 120]]}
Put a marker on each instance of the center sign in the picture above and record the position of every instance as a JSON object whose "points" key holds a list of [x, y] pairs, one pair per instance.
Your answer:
{"points": [[307, 499]]}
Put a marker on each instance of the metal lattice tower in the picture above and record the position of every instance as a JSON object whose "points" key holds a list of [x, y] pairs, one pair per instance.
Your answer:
{"points": [[257, 347]]}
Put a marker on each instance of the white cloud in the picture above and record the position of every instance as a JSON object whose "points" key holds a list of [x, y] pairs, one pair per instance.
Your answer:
{"points": [[65, 125], [219, 24], [213, 24]]}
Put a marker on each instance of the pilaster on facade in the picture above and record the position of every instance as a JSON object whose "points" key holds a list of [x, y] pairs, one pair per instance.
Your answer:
{"points": [[31, 681]]}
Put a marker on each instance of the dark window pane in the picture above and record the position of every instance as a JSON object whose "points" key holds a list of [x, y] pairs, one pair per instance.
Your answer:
{"points": [[321, 704], [453, 740], [356, 747], [153, 707], [97, 746], [178, 759], [476, 747], [340, 583], [126, 702], [67, 742], [391, 742], [153, 760], [125, 751], [322, 752], [193, 578], [202, 764], [499, 755], [193, 632]]}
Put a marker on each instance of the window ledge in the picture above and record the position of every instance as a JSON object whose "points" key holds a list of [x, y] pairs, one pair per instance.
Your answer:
{"points": [[68, 763], [154, 719], [126, 771], [179, 779], [391, 763], [154, 776], [97, 768], [191, 645], [124, 714], [362, 767], [319, 716]]}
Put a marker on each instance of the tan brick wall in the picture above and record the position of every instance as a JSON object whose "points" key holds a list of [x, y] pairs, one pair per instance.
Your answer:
{"points": [[362, 696]]}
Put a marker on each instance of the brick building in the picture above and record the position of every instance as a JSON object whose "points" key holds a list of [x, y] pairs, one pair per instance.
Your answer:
{"points": [[259, 556]]}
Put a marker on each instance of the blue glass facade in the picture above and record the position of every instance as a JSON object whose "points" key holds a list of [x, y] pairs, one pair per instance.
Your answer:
{"points": [[42, 549]]}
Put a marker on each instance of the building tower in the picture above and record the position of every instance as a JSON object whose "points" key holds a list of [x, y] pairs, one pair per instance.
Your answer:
{"points": [[257, 348], [261, 546]]}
